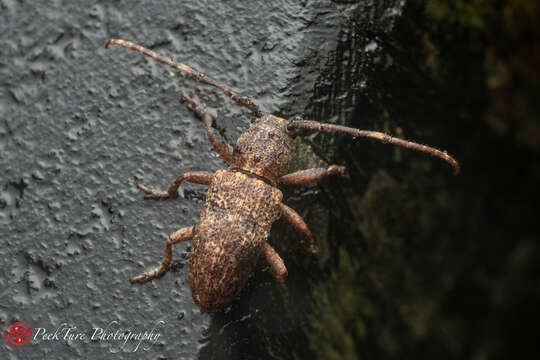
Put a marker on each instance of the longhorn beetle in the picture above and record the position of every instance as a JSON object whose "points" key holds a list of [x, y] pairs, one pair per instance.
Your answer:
{"points": [[243, 201]]}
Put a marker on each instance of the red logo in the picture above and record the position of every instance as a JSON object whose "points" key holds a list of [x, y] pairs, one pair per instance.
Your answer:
{"points": [[17, 334]]}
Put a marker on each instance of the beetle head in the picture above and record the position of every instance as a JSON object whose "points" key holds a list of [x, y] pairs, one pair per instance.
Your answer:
{"points": [[264, 149]]}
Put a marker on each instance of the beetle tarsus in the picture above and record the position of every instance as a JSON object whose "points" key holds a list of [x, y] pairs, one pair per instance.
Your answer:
{"points": [[145, 277], [155, 194]]}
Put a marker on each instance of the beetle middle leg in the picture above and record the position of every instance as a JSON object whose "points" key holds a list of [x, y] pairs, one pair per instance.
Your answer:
{"points": [[222, 148], [311, 176], [278, 270], [197, 177], [184, 234], [298, 223]]}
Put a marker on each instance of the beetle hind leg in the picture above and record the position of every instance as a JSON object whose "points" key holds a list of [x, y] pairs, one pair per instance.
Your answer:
{"points": [[300, 226], [278, 270], [184, 234]]}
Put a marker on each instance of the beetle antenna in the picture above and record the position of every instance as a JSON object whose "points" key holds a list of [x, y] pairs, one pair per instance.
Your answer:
{"points": [[313, 126], [240, 100]]}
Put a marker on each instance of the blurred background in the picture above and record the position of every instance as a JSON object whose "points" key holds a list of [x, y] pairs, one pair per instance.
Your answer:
{"points": [[447, 266]]}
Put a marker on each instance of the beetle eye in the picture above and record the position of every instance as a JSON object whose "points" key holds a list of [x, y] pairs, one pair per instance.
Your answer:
{"points": [[296, 118], [257, 119]]}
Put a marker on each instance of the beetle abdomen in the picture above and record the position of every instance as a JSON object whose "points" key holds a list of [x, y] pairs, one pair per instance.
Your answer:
{"points": [[235, 222]]}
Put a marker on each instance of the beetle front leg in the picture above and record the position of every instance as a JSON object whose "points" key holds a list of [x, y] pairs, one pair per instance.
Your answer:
{"points": [[197, 177], [298, 223], [278, 270], [222, 148], [311, 176], [184, 234]]}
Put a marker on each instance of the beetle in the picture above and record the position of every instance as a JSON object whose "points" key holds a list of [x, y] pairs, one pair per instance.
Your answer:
{"points": [[243, 201]]}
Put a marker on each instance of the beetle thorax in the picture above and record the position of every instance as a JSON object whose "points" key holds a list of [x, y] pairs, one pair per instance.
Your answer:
{"points": [[264, 149]]}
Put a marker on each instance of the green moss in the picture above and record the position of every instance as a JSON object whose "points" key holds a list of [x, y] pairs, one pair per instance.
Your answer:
{"points": [[506, 34], [341, 309], [469, 13], [483, 14], [516, 11], [511, 16], [302, 156]]}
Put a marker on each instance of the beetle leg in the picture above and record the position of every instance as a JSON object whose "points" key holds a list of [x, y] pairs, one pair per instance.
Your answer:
{"points": [[184, 234], [298, 223], [197, 177], [310, 176], [240, 100], [222, 148], [277, 267], [309, 125]]}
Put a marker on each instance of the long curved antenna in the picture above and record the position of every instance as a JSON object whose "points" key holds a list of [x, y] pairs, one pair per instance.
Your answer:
{"points": [[309, 125], [240, 100]]}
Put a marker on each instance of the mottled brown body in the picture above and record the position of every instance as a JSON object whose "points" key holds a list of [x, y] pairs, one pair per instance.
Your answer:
{"points": [[243, 202], [234, 225]]}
